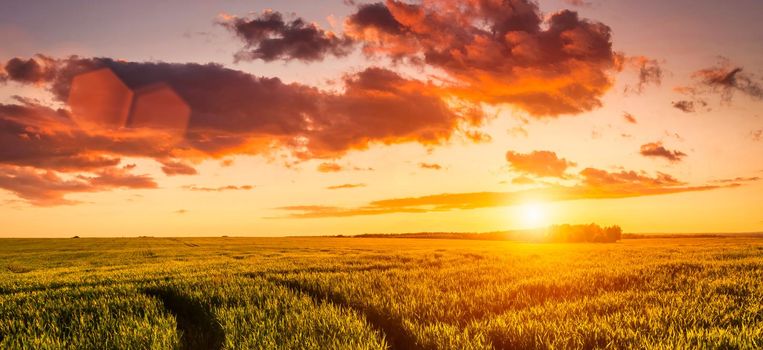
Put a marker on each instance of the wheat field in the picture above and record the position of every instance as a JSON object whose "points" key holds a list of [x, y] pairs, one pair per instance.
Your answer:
{"points": [[377, 293]]}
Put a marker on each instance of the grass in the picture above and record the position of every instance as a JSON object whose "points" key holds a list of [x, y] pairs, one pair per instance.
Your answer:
{"points": [[377, 293]]}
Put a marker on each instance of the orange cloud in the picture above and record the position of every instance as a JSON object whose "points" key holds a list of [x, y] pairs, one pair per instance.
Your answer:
{"points": [[177, 114], [539, 163], [119, 178], [596, 183], [656, 149], [36, 136], [47, 188], [496, 52], [431, 166], [593, 184], [329, 167], [177, 168], [629, 118], [232, 112], [219, 189], [345, 186]]}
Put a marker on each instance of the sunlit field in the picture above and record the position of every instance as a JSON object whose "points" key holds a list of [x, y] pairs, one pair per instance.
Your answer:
{"points": [[369, 293]]}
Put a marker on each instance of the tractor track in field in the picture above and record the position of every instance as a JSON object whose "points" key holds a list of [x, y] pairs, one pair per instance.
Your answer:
{"points": [[396, 336], [197, 327], [391, 328]]}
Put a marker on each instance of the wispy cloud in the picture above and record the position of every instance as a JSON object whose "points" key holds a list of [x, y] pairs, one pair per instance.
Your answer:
{"points": [[738, 180], [727, 79], [756, 135], [430, 166], [649, 73], [593, 184], [220, 188], [629, 118], [345, 186], [656, 149], [687, 106]]}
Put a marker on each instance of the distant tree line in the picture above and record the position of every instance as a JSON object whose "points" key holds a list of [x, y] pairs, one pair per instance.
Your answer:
{"points": [[584, 233], [485, 236], [557, 234]]}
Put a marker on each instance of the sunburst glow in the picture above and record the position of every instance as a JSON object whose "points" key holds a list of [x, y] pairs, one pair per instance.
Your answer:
{"points": [[534, 215]]}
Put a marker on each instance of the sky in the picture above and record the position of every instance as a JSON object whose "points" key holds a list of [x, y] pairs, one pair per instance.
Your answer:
{"points": [[274, 118]]}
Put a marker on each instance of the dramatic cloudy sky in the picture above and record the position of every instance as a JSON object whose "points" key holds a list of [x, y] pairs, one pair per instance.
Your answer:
{"points": [[340, 117]]}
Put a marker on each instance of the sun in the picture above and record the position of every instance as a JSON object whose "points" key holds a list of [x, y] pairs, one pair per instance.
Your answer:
{"points": [[533, 214]]}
